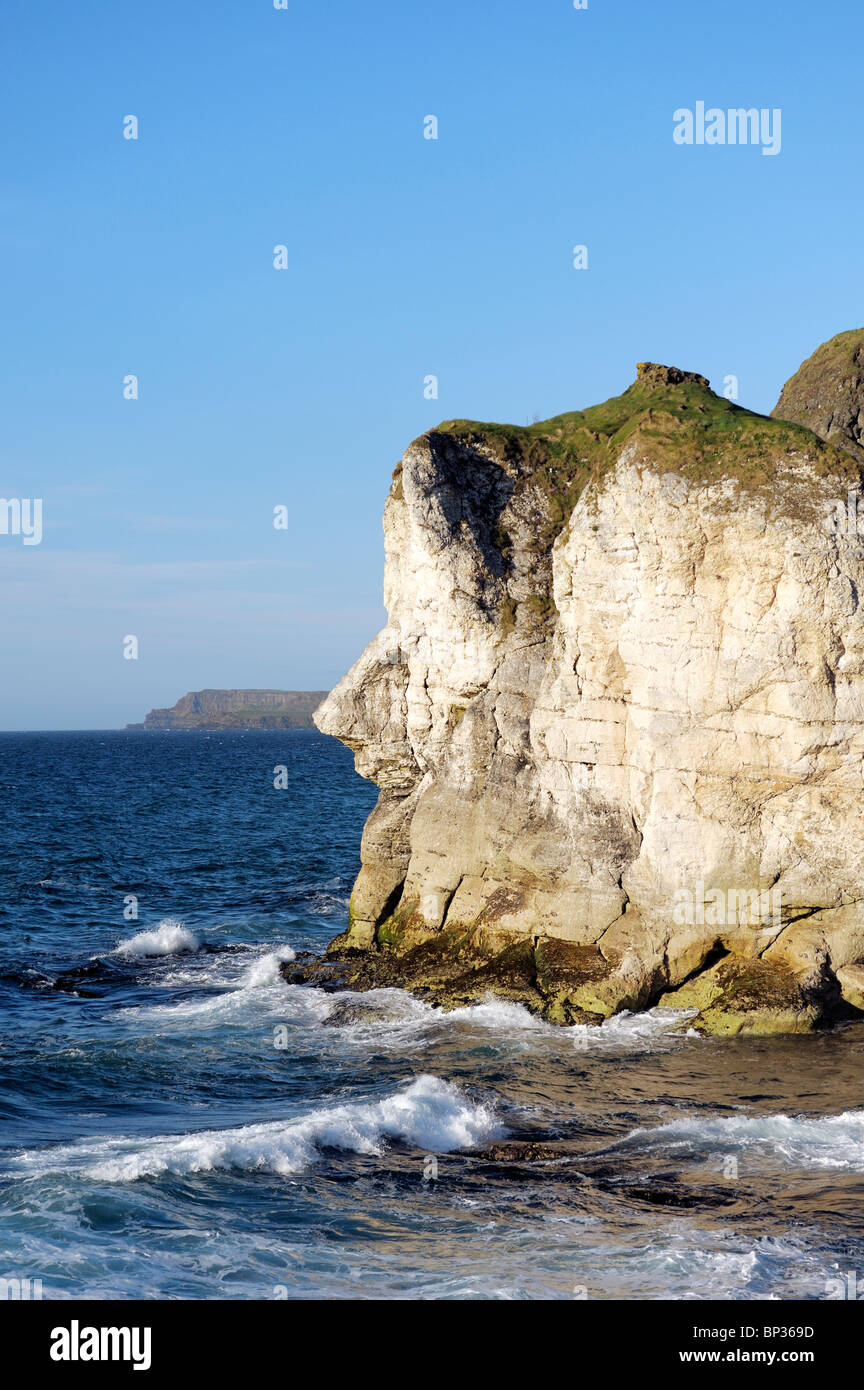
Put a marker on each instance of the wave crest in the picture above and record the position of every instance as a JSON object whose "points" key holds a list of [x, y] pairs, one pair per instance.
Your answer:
{"points": [[823, 1141], [170, 938], [429, 1114]]}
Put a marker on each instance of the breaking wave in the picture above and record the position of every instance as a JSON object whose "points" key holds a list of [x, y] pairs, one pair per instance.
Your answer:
{"points": [[170, 938], [429, 1114], [265, 970], [825, 1141]]}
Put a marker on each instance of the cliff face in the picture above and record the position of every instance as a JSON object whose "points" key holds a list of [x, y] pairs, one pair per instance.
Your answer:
{"points": [[617, 718], [237, 709]]}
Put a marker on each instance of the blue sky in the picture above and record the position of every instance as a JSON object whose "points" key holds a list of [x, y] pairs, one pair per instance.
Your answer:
{"points": [[407, 257]]}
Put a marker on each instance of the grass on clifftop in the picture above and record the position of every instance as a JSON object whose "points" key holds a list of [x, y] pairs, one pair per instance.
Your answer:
{"points": [[682, 426], [836, 357]]}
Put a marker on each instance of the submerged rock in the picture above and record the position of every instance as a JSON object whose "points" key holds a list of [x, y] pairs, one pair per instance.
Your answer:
{"points": [[348, 1013], [617, 716], [523, 1151]]}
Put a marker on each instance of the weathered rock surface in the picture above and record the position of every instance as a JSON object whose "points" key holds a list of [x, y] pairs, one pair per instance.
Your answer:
{"points": [[617, 717], [827, 393]]}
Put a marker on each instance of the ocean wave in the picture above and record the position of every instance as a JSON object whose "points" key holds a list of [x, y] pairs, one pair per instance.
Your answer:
{"points": [[77, 885], [637, 1031], [498, 1015], [244, 987], [824, 1141], [265, 970], [327, 904], [397, 1009], [388, 1018], [429, 1114], [170, 938], [327, 898], [718, 1264]]}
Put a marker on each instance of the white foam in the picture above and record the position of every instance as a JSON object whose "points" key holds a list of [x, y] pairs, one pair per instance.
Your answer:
{"points": [[721, 1264], [640, 1032], [246, 988], [498, 1015], [513, 1022], [429, 1114], [265, 970], [406, 1013], [391, 1019], [169, 939], [824, 1141]]}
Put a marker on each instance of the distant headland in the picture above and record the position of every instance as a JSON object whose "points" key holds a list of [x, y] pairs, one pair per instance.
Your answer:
{"points": [[237, 709]]}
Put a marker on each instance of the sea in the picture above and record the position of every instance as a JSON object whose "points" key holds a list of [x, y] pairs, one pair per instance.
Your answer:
{"points": [[178, 1122]]}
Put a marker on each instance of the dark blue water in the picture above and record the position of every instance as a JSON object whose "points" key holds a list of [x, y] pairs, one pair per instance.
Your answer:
{"points": [[178, 1122]]}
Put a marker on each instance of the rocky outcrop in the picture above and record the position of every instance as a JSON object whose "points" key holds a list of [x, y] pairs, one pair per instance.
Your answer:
{"points": [[827, 393], [617, 718], [237, 709]]}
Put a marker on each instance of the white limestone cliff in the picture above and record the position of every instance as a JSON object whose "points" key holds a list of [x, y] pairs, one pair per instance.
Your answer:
{"points": [[637, 750]]}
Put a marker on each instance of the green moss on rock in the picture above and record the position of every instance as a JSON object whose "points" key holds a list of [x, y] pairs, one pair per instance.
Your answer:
{"points": [[764, 997], [682, 425]]}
